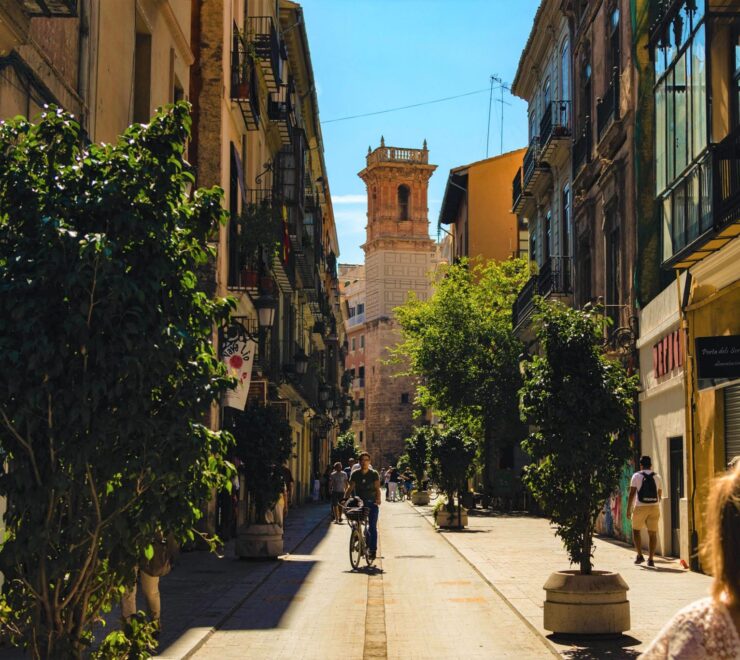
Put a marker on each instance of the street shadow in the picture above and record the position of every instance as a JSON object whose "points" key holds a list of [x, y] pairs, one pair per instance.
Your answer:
{"points": [[663, 569], [596, 648], [465, 530]]}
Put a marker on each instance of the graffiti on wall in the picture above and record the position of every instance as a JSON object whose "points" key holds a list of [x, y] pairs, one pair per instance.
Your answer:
{"points": [[613, 520]]}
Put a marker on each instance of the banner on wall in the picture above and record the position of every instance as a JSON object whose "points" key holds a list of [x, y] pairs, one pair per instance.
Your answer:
{"points": [[238, 349]]}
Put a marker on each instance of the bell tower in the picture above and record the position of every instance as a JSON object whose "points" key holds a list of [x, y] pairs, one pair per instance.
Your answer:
{"points": [[399, 258]]}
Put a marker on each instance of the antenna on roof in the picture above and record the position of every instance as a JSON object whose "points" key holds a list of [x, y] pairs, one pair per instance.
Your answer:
{"points": [[495, 78]]}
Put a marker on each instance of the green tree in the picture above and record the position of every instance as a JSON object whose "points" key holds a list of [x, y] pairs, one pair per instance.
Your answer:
{"points": [[461, 346], [345, 448], [417, 451], [263, 443], [106, 366], [451, 455], [581, 404]]}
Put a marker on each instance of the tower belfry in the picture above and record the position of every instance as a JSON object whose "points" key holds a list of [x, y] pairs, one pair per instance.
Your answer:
{"points": [[399, 257]]}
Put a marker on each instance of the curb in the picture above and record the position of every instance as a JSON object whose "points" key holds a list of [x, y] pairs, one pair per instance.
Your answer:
{"points": [[202, 635], [553, 650]]}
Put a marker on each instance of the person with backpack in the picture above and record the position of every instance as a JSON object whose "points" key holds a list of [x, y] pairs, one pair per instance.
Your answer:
{"points": [[643, 505]]}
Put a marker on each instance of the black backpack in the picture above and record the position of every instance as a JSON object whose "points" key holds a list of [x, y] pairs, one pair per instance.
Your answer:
{"points": [[648, 493]]}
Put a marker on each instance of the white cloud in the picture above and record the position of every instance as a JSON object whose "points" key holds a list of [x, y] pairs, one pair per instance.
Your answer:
{"points": [[349, 199]]}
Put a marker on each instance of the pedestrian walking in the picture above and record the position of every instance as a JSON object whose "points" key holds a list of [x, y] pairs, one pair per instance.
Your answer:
{"points": [[393, 484], [643, 505], [148, 572], [288, 487], [337, 484], [350, 466], [710, 627], [325, 487]]}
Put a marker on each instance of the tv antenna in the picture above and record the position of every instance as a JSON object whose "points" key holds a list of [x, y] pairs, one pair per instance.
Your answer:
{"points": [[495, 78]]}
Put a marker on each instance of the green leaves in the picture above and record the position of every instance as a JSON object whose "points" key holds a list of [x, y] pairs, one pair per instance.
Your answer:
{"points": [[451, 454], [106, 365], [581, 405]]}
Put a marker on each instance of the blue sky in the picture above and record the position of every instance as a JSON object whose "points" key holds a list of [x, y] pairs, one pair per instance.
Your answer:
{"points": [[371, 55]]}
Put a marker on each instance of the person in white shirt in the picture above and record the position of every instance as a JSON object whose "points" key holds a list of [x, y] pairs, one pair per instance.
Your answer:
{"points": [[643, 504]]}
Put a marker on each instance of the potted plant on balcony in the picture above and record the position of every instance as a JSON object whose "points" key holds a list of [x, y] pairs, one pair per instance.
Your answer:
{"points": [[263, 443], [451, 454], [580, 404], [417, 451], [260, 232]]}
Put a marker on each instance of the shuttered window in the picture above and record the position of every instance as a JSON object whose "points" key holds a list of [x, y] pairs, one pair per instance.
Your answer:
{"points": [[732, 422]]}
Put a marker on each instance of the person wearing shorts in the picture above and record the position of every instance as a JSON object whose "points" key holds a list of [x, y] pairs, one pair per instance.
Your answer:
{"points": [[337, 486], [644, 514]]}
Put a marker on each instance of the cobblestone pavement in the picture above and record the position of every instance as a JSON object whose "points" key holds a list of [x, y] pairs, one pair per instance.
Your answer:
{"points": [[423, 601], [517, 553]]}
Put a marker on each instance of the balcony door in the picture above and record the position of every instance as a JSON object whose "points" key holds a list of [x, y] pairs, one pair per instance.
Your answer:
{"points": [[736, 78]]}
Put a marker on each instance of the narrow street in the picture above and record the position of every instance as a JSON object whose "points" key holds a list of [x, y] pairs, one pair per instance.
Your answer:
{"points": [[423, 601]]}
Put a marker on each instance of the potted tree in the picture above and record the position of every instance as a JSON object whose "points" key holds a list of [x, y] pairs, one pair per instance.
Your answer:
{"points": [[580, 404], [263, 444], [451, 454], [417, 450]]}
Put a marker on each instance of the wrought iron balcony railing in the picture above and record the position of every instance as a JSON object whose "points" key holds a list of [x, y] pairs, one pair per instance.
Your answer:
{"points": [[263, 35], [607, 108], [554, 278], [516, 188], [530, 161], [555, 123], [279, 111], [50, 8], [726, 179], [582, 147], [244, 85]]}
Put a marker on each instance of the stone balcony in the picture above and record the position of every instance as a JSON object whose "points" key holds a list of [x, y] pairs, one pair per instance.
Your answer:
{"points": [[385, 154]]}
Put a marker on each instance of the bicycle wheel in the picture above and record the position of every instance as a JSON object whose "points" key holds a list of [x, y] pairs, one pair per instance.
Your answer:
{"points": [[368, 557], [356, 547]]}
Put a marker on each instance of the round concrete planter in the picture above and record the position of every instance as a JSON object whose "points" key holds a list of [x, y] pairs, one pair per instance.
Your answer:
{"points": [[420, 498], [259, 541], [593, 604], [451, 521]]}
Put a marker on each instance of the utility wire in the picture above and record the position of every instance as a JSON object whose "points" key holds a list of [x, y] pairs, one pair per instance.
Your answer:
{"points": [[405, 107]]}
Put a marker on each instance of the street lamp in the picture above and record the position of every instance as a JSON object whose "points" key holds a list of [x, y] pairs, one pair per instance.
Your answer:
{"points": [[301, 362], [265, 306]]}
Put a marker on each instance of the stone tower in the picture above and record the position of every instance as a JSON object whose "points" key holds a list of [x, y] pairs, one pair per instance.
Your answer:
{"points": [[399, 256]]}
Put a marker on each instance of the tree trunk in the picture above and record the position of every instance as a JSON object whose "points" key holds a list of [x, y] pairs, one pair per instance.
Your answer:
{"points": [[586, 543]]}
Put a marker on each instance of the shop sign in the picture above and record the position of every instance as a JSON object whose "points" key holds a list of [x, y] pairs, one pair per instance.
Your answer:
{"points": [[718, 357], [668, 354]]}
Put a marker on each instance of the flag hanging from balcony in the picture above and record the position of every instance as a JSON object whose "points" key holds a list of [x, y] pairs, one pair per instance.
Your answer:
{"points": [[238, 349]]}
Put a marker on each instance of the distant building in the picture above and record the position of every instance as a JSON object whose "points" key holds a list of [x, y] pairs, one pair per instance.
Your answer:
{"points": [[352, 291], [477, 209], [399, 257]]}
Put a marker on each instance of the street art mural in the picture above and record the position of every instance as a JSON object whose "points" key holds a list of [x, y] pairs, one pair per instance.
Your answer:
{"points": [[613, 520]]}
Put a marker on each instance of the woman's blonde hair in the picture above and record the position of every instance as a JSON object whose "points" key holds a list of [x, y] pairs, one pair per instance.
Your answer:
{"points": [[721, 551]]}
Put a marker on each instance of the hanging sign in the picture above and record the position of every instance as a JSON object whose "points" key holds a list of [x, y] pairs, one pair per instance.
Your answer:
{"points": [[237, 352], [718, 357]]}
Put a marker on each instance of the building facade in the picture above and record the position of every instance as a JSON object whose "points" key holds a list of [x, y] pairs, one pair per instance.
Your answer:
{"points": [[476, 209], [694, 46], [352, 291], [542, 190], [399, 257], [257, 135]]}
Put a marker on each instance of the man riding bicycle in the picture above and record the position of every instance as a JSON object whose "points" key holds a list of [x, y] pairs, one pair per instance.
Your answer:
{"points": [[365, 483]]}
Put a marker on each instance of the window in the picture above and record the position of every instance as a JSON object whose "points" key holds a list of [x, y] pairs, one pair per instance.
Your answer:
{"points": [[142, 73], [546, 97], [352, 312], [613, 265], [736, 79], [403, 202], [565, 248], [362, 341], [614, 52], [565, 72], [361, 372], [548, 235], [405, 397], [584, 272], [533, 242], [361, 434], [360, 308], [354, 343]]}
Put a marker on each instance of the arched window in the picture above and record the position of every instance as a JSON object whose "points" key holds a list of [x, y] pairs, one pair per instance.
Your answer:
{"points": [[403, 202]]}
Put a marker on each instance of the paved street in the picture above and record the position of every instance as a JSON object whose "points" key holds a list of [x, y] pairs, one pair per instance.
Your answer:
{"points": [[424, 601]]}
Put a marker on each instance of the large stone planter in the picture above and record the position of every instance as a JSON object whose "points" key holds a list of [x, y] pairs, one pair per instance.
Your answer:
{"points": [[593, 604], [451, 520], [420, 498], [259, 541]]}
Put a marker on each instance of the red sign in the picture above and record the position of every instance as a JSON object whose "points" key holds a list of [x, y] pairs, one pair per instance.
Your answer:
{"points": [[668, 354]]}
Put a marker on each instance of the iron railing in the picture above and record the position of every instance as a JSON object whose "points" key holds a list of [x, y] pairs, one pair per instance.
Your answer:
{"points": [[555, 122], [554, 278], [516, 187], [279, 111], [582, 147], [726, 179], [263, 35], [530, 160], [607, 108], [244, 86]]}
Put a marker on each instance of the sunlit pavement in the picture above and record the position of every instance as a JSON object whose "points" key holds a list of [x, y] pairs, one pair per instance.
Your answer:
{"points": [[517, 553], [423, 601]]}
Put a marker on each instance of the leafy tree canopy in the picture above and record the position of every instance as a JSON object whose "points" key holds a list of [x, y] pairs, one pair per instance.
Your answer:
{"points": [[345, 449], [581, 404], [106, 365], [461, 346], [417, 451], [451, 455]]}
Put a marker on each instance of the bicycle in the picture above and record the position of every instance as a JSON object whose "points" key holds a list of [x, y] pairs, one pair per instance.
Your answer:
{"points": [[357, 517]]}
